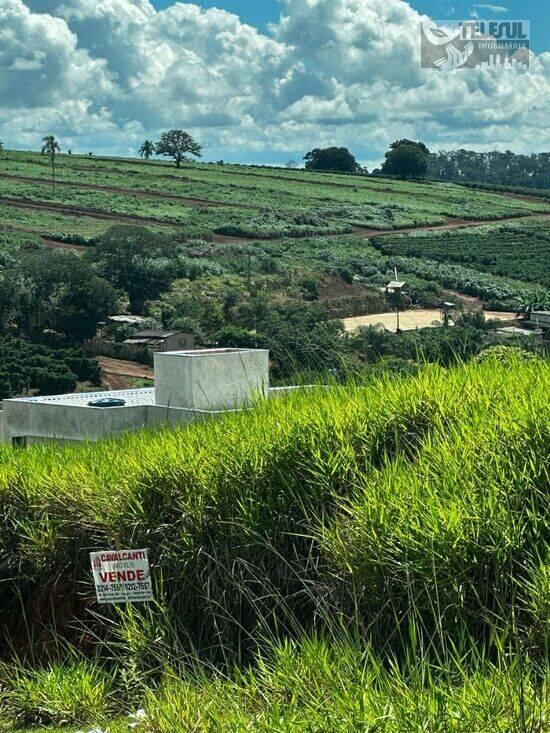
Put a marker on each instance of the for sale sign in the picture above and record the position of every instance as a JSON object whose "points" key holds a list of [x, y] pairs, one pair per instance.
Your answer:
{"points": [[122, 576]]}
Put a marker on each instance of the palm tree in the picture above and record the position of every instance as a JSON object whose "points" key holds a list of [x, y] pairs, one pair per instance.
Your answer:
{"points": [[147, 149], [51, 147]]}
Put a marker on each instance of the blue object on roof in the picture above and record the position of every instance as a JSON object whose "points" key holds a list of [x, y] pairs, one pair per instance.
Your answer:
{"points": [[107, 402]]}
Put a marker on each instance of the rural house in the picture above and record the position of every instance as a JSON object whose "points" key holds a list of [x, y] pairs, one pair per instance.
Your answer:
{"points": [[159, 340]]}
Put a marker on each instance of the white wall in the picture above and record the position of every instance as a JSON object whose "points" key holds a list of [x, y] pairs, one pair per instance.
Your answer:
{"points": [[3, 439]]}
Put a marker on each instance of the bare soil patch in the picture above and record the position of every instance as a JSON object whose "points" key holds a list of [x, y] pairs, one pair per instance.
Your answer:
{"points": [[411, 320], [119, 374]]}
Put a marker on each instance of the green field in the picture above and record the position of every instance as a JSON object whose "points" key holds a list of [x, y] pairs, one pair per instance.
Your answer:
{"points": [[367, 558], [519, 250], [245, 241], [257, 202]]}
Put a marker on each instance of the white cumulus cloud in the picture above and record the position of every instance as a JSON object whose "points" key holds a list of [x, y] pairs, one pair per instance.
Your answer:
{"points": [[103, 74]]}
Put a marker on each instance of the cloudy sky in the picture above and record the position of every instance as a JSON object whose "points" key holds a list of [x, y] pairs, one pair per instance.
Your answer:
{"points": [[260, 80]]}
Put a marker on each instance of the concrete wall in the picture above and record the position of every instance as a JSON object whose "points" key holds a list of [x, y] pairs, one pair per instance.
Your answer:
{"points": [[182, 341], [99, 347], [213, 379], [45, 421]]}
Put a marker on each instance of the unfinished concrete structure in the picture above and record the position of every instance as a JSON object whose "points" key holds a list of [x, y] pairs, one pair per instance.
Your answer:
{"points": [[541, 319], [189, 386]]}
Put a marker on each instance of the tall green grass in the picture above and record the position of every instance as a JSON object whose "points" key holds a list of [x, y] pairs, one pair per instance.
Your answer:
{"points": [[407, 517], [313, 685]]}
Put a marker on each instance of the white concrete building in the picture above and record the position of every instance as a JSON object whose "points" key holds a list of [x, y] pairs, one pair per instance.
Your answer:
{"points": [[189, 386]]}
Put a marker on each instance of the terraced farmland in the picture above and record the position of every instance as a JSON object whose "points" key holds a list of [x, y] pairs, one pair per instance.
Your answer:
{"points": [[519, 250], [203, 199]]}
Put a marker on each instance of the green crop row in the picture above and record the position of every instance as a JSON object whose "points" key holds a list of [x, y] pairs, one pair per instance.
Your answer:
{"points": [[295, 190], [471, 281], [519, 250]]}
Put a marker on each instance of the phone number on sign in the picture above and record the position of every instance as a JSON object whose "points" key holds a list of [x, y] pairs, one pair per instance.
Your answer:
{"points": [[122, 587]]}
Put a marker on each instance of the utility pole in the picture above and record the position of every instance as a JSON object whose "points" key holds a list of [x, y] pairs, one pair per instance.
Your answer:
{"points": [[394, 293]]}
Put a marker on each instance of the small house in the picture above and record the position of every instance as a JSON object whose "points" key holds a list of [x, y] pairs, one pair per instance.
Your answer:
{"points": [[162, 340]]}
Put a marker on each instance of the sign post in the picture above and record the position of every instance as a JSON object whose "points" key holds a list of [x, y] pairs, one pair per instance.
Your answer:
{"points": [[122, 576]]}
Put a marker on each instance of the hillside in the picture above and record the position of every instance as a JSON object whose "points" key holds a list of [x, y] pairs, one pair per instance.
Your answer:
{"points": [[203, 199], [242, 256], [384, 548]]}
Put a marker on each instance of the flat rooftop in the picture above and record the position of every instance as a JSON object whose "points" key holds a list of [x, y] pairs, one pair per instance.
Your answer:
{"points": [[132, 398], [207, 352]]}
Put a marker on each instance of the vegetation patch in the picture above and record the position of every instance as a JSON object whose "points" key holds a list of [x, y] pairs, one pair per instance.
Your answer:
{"points": [[400, 525], [519, 250]]}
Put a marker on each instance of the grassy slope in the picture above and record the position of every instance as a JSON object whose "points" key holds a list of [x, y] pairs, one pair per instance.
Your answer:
{"points": [[345, 201], [518, 250], [410, 513]]}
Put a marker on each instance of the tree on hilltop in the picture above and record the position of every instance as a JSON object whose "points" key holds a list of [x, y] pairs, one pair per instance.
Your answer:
{"points": [[331, 159], [51, 148], [177, 144], [147, 149], [407, 159]]}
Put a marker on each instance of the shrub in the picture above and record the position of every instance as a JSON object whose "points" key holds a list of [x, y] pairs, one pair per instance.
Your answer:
{"points": [[76, 692], [28, 366], [53, 381], [505, 354]]}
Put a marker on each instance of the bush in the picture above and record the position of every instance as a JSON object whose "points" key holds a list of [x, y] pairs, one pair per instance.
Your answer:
{"points": [[505, 354], [238, 338], [27, 366], [76, 692], [53, 381]]}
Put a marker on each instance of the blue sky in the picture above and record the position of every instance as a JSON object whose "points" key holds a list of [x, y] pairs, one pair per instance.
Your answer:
{"points": [[105, 75], [261, 12]]}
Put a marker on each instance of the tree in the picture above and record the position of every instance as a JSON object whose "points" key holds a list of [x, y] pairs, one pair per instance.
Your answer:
{"points": [[301, 338], [331, 159], [51, 148], [135, 260], [292, 164], [81, 304], [54, 379], [1, 146], [407, 159], [9, 301], [147, 149], [61, 290], [494, 167], [177, 144]]}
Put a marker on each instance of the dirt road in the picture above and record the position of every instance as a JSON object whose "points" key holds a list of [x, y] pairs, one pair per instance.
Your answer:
{"points": [[411, 320], [119, 374]]}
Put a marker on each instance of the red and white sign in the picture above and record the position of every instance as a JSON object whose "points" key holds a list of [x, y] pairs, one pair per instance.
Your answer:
{"points": [[122, 576]]}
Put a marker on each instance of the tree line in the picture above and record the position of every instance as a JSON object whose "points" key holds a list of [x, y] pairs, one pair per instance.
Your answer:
{"points": [[404, 159], [508, 169]]}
